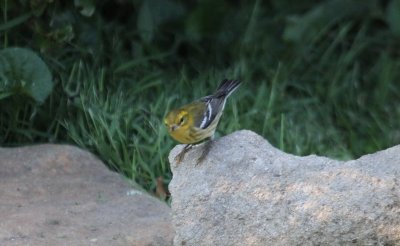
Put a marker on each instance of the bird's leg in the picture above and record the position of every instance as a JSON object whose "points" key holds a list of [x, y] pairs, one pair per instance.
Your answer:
{"points": [[179, 157], [206, 150]]}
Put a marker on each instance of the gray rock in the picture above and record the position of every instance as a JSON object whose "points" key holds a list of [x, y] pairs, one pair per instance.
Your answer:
{"points": [[61, 195], [246, 192]]}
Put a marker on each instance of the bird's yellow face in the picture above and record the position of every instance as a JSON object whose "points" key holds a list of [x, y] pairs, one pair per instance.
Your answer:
{"points": [[178, 122]]}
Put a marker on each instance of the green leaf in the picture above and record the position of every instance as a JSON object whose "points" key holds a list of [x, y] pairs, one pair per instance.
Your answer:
{"points": [[304, 28], [23, 72], [393, 16], [154, 13], [15, 22], [206, 20], [87, 7]]}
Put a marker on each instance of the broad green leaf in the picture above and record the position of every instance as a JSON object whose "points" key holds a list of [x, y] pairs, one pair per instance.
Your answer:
{"points": [[206, 20], [154, 13], [87, 7], [302, 29], [146, 25], [393, 16], [15, 22], [23, 72]]}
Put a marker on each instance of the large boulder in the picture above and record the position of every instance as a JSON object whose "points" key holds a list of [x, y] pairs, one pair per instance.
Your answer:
{"points": [[61, 195], [246, 192]]}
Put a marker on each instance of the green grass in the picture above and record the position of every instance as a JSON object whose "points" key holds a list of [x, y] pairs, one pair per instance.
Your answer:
{"points": [[332, 92], [332, 114]]}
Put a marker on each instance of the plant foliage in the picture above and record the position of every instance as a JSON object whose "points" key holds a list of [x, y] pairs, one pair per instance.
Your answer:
{"points": [[319, 76]]}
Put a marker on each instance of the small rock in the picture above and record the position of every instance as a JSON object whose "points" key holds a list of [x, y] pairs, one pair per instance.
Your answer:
{"points": [[61, 195], [246, 192]]}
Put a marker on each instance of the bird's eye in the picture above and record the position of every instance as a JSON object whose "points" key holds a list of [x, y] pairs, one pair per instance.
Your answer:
{"points": [[181, 120]]}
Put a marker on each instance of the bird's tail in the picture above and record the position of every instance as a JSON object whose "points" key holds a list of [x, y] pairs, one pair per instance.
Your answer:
{"points": [[226, 87]]}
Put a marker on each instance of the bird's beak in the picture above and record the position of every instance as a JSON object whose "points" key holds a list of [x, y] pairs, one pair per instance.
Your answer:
{"points": [[173, 128]]}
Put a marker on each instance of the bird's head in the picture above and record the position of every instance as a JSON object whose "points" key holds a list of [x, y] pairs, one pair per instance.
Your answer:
{"points": [[176, 120]]}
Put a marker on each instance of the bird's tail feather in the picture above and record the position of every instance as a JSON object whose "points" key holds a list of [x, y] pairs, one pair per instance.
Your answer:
{"points": [[226, 87]]}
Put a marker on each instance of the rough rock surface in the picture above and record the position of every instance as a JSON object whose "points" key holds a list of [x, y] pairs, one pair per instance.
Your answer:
{"points": [[246, 192], [61, 195]]}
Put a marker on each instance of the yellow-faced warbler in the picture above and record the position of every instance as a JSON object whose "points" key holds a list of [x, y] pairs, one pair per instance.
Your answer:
{"points": [[198, 120]]}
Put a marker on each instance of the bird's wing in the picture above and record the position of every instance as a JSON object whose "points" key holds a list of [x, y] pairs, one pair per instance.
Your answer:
{"points": [[213, 107]]}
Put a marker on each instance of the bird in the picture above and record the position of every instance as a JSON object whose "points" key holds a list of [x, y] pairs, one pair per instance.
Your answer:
{"points": [[197, 121]]}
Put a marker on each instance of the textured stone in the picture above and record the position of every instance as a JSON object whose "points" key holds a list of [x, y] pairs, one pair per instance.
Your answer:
{"points": [[246, 192], [61, 195]]}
